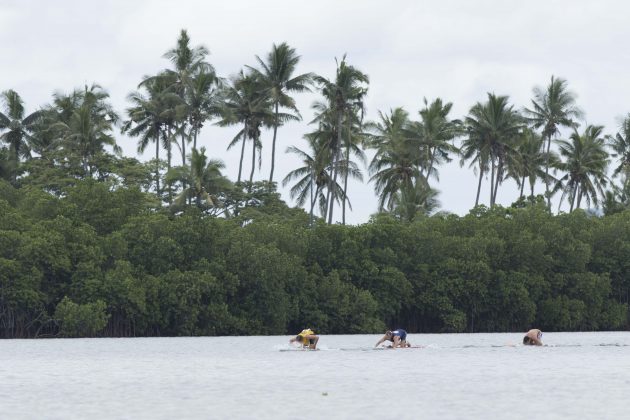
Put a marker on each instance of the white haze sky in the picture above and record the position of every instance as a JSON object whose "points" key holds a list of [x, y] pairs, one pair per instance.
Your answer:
{"points": [[456, 50]]}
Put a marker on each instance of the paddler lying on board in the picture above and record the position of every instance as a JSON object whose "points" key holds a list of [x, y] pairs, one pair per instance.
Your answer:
{"points": [[307, 338], [397, 337], [533, 338]]}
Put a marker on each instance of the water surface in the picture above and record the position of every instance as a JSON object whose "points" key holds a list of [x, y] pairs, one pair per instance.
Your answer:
{"points": [[472, 376]]}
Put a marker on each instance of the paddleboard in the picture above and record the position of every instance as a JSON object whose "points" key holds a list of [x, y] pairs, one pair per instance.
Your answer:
{"points": [[299, 350]]}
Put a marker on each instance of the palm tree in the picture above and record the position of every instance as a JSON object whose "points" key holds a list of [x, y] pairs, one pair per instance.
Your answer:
{"points": [[553, 108], [492, 128], [276, 75], [188, 62], [345, 98], [148, 117], [529, 161], [620, 144], [435, 133], [204, 181], [203, 101], [475, 149], [396, 163], [323, 142], [245, 102], [89, 129], [585, 163], [18, 126], [413, 200], [312, 178]]}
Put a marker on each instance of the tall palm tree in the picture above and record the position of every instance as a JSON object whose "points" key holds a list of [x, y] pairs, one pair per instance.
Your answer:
{"points": [[475, 148], [585, 162], [435, 133], [18, 126], [276, 75], [203, 179], [327, 136], [149, 115], [396, 163], [553, 108], [246, 103], [188, 62], [493, 128], [324, 143], [203, 100], [345, 98], [620, 144], [354, 139]]}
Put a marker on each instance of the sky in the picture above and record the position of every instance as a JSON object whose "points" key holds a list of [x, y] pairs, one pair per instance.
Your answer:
{"points": [[456, 50]]}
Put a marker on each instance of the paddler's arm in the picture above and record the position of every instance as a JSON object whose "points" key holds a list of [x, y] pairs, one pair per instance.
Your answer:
{"points": [[381, 340]]}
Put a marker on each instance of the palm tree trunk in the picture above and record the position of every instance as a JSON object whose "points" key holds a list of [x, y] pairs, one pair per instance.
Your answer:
{"points": [[328, 196], [310, 214], [499, 175], [184, 158], [251, 174], [334, 185], [16, 158], [195, 130], [157, 165], [313, 201], [183, 148], [240, 163], [479, 184], [547, 172], [491, 181], [273, 146], [573, 198], [345, 181], [579, 200], [169, 151], [522, 186], [333, 180], [431, 162]]}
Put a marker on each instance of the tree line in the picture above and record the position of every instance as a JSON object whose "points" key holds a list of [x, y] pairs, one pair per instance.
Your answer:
{"points": [[98, 244], [105, 261]]}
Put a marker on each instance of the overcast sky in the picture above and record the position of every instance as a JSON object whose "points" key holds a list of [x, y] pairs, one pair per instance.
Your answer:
{"points": [[456, 50]]}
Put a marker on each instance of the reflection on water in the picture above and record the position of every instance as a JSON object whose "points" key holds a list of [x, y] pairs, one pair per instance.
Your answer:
{"points": [[451, 376]]}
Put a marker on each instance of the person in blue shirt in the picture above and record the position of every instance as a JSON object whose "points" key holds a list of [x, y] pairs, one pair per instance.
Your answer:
{"points": [[397, 337]]}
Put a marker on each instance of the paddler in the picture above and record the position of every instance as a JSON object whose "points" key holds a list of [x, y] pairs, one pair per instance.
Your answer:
{"points": [[307, 338], [533, 338], [397, 337]]}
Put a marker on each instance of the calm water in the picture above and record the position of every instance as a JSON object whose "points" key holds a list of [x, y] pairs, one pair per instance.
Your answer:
{"points": [[477, 376]]}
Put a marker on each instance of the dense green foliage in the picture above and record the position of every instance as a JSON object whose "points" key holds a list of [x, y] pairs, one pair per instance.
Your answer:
{"points": [[124, 267]]}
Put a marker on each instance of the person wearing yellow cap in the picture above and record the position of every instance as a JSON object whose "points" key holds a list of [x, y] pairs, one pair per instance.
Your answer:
{"points": [[307, 338]]}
